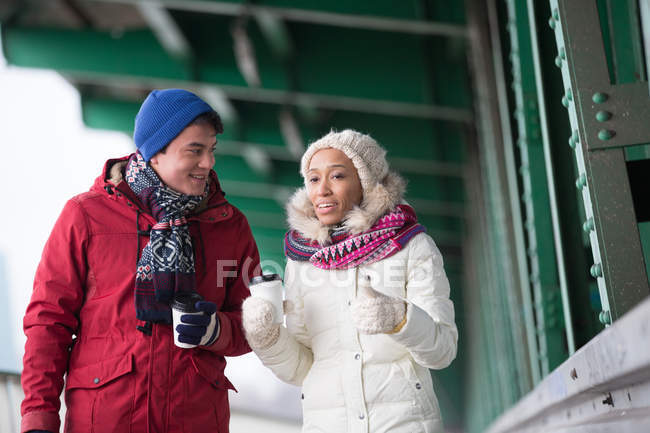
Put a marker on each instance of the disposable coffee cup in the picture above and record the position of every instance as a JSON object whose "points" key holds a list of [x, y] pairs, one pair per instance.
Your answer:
{"points": [[183, 303], [269, 287]]}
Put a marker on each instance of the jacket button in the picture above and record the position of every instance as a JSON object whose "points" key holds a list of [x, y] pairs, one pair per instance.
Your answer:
{"points": [[224, 214], [349, 303], [361, 416], [302, 396], [357, 357], [128, 203], [119, 194], [96, 380], [418, 386]]}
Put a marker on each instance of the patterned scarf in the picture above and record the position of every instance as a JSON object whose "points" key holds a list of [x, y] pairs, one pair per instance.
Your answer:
{"points": [[167, 262], [386, 237]]}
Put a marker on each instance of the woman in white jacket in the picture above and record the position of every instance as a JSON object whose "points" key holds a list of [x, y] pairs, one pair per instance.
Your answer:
{"points": [[367, 300]]}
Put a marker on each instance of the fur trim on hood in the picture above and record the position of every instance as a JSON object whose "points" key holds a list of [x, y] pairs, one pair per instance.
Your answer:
{"points": [[115, 175], [383, 197]]}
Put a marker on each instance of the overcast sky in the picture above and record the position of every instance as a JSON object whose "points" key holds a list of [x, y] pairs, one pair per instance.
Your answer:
{"points": [[49, 156]]}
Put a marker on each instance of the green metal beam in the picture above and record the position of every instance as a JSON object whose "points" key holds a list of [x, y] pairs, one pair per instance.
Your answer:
{"points": [[411, 143], [548, 326], [618, 267], [572, 245], [137, 57], [134, 53], [382, 15]]}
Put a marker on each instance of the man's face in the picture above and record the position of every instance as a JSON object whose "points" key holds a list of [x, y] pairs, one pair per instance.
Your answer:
{"points": [[187, 160]]}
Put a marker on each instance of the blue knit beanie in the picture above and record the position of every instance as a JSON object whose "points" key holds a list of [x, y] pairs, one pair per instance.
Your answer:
{"points": [[162, 116]]}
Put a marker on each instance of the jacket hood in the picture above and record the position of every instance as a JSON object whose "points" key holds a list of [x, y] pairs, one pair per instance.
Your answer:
{"points": [[381, 198]]}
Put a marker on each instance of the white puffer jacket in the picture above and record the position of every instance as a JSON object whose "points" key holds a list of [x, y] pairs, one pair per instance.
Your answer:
{"points": [[354, 382]]}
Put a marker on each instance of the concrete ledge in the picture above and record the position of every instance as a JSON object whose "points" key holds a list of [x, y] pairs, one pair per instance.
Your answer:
{"points": [[603, 387]]}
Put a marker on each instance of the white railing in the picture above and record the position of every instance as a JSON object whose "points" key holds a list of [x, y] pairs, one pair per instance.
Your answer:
{"points": [[603, 387]]}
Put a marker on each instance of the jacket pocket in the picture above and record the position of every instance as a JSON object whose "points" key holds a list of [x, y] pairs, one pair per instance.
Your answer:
{"points": [[206, 406], [211, 372], [100, 396], [421, 387]]}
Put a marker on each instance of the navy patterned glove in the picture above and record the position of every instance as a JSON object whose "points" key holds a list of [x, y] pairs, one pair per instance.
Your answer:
{"points": [[199, 329]]}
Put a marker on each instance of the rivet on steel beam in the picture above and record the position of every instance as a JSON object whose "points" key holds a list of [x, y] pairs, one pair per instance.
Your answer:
{"points": [[574, 139], [569, 94], [588, 225], [605, 134], [558, 61], [563, 53], [556, 14], [605, 317], [565, 101], [581, 181], [603, 116], [596, 270], [573, 374], [551, 23], [599, 97]]}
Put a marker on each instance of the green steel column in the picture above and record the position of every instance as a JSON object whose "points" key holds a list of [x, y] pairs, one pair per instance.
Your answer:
{"points": [[504, 374], [605, 117], [539, 228], [550, 178]]}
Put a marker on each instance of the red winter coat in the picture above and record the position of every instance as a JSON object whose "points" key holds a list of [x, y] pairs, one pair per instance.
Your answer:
{"points": [[118, 378]]}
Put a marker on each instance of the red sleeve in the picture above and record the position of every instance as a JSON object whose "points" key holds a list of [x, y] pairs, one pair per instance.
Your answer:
{"points": [[231, 341], [52, 318]]}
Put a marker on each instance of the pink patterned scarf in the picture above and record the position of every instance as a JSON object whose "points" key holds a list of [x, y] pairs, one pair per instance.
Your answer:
{"points": [[386, 237]]}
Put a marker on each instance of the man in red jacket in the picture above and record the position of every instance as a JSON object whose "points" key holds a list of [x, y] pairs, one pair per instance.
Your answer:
{"points": [[153, 225]]}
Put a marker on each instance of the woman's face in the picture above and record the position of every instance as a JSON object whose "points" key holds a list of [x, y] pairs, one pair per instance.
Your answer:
{"points": [[333, 185]]}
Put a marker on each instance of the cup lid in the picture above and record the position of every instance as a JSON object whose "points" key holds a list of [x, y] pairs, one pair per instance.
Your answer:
{"points": [[265, 278], [184, 301]]}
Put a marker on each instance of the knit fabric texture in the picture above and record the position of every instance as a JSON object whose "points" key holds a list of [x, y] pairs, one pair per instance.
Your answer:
{"points": [[259, 323], [367, 156], [167, 262], [386, 237], [163, 115], [375, 313]]}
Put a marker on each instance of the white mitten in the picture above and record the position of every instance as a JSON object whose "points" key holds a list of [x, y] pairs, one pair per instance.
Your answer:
{"points": [[375, 313], [257, 318]]}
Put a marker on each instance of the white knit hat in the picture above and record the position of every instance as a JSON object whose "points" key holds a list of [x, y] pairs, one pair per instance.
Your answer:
{"points": [[382, 189], [367, 156]]}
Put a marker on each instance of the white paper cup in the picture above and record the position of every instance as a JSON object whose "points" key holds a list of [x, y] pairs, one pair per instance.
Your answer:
{"points": [[269, 287], [182, 304]]}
